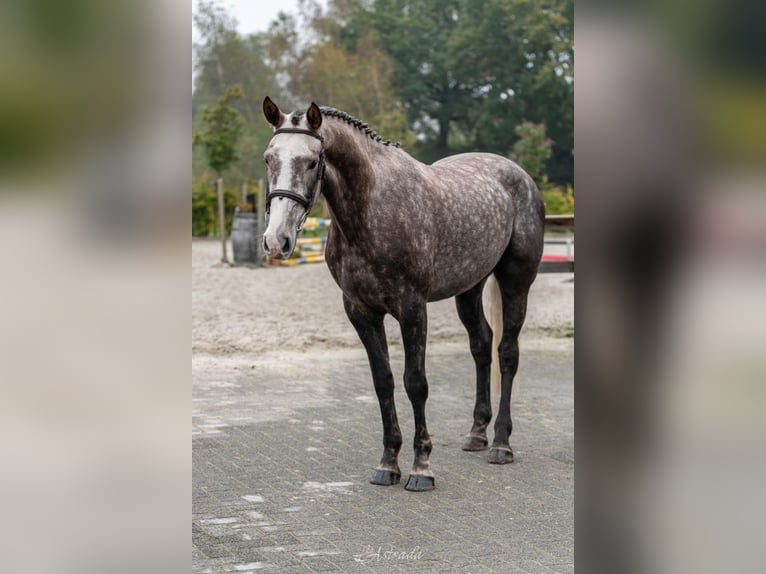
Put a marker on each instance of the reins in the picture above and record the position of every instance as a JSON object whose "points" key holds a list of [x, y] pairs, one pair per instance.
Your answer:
{"points": [[306, 202]]}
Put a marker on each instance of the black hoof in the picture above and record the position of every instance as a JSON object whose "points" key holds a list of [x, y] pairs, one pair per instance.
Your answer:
{"points": [[385, 477], [502, 455], [475, 442], [419, 483]]}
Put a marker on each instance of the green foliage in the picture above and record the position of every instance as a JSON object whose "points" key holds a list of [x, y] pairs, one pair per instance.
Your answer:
{"points": [[532, 150], [467, 72], [349, 71], [222, 127], [205, 207], [558, 200], [223, 57], [441, 76]]}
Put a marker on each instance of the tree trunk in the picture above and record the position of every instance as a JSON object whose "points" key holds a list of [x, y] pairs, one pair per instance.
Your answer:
{"points": [[442, 140], [221, 219]]}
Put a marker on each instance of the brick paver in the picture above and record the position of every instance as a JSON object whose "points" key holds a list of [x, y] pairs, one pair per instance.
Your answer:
{"points": [[283, 449]]}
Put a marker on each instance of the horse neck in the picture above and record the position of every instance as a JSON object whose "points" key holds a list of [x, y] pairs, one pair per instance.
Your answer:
{"points": [[350, 177]]}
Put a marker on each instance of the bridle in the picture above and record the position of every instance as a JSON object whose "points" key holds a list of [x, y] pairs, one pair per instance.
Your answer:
{"points": [[306, 202]]}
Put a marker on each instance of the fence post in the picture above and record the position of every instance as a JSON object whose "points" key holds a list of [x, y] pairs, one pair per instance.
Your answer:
{"points": [[221, 219], [259, 221], [244, 192]]}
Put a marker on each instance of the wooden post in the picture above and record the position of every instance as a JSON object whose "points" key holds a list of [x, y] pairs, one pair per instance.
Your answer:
{"points": [[221, 219], [260, 221], [244, 192]]}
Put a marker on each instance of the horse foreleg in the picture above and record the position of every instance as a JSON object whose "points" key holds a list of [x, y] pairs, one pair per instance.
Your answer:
{"points": [[413, 322], [369, 326]]}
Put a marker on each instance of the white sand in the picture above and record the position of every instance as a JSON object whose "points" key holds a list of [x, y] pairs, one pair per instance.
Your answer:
{"points": [[237, 310]]}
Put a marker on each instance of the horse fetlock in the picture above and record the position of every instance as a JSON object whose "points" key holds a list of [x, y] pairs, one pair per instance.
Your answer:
{"points": [[392, 443], [482, 414], [475, 441], [500, 454], [390, 459], [422, 446]]}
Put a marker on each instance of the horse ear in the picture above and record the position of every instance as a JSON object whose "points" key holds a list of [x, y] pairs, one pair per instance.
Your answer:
{"points": [[272, 112], [314, 116]]}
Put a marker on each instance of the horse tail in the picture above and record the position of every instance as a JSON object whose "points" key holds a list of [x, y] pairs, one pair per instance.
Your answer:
{"points": [[493, 311]]}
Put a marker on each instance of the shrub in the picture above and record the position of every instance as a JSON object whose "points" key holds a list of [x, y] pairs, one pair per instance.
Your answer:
{"points": [[532, 150], [205, 207], [558, 200]]}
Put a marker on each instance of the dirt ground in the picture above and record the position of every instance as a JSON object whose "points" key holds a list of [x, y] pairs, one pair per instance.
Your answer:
{"points": [[244, 311]]}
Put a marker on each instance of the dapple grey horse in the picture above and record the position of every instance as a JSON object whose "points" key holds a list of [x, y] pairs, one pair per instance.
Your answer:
{"points": [[404, 233]]}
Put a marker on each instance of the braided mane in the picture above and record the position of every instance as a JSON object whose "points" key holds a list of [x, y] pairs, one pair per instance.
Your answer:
{"points": [[350, 120]]}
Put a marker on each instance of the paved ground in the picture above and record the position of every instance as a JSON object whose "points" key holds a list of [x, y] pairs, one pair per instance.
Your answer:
{"points": [[284, 445]]}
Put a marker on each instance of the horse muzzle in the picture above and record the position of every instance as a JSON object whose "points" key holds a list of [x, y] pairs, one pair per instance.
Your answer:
{"points": [[278, 245]]}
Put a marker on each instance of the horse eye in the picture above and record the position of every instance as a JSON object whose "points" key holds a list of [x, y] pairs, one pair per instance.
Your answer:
{"points": [[313, 164]]}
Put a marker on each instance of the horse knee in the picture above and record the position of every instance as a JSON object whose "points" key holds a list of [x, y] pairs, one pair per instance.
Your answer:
{"points": [[416, 386], [509, 353], [481, 350]]}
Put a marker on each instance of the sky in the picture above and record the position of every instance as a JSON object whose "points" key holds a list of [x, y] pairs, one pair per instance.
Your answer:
{"points": [[252, 15], [256, 15]]}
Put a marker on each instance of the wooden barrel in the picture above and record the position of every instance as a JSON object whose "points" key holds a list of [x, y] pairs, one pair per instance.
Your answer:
{"points": [[244, 237]]}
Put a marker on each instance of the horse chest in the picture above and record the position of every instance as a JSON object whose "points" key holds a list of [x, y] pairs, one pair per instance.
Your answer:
{"points": [[366, 279]]}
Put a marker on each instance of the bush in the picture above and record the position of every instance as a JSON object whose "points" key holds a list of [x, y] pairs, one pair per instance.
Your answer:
{"points": [[558, 200], [205, 207], [532, 150]]}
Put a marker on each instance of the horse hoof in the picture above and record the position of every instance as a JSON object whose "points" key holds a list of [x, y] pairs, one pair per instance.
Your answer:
{"points": [[475, 442], [500, 455], [385, 477], [419, 483]]}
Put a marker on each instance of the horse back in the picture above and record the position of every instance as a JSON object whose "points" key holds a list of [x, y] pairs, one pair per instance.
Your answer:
{"points": [[489, 205], [435, 230]]}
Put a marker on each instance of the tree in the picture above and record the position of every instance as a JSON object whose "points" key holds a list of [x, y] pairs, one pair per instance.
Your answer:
{"points": [[325, 64], [221, 131], [532, 150], [223, 57], [458, 75], [222, 128], [468, 72], [416, 34]]}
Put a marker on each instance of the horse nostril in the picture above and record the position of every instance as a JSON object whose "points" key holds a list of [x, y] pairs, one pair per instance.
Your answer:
{"points": [[286, 245]]}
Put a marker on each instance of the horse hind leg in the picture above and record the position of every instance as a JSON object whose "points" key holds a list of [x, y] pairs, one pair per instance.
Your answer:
{"points": [[514, 278], [471, 313]]}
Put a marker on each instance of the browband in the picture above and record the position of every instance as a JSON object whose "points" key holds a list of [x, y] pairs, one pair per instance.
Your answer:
{"points": [[299, 131]]}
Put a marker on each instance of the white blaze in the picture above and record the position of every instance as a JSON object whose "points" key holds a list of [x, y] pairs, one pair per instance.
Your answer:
{"points": [[280, 225]]}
